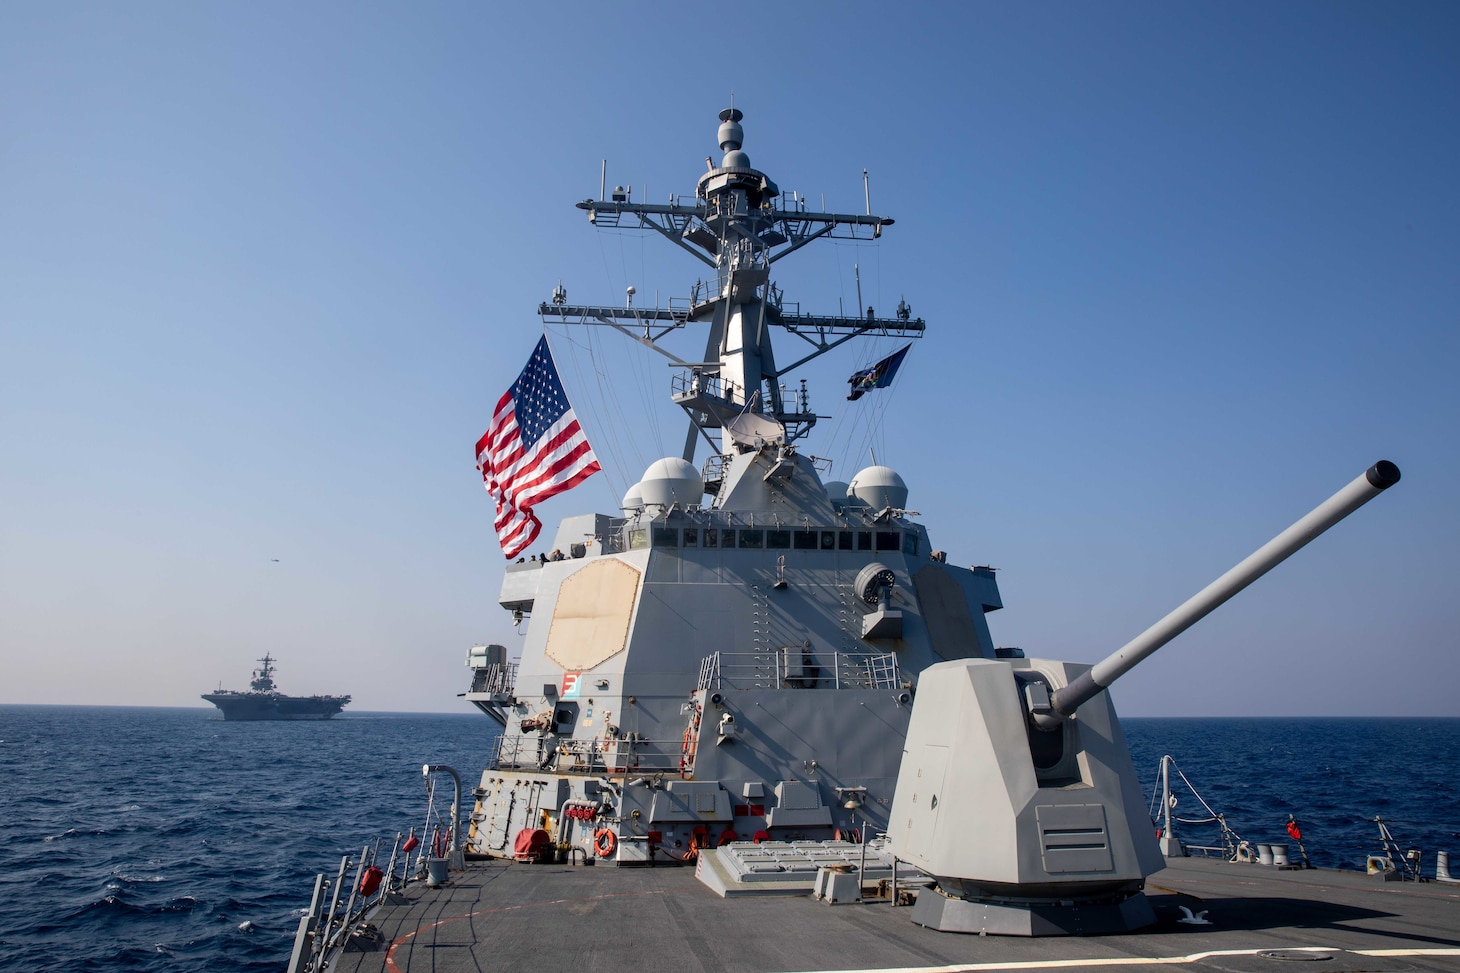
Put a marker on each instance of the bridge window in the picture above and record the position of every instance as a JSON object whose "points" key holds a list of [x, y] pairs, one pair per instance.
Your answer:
{"points": [[864, 541], [712, 537], [691, 537], [778, 540], [909, 543], [887, 540], [828, 540], [666, 537], [844, 540], [805, 540], [752, 539], [638, 537]]}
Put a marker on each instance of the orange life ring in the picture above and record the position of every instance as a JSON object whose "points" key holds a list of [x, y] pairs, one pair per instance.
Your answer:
{"points": [[604, 842]]}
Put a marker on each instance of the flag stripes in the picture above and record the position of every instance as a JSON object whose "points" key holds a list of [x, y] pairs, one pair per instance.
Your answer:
{"points": [[533, 449]]}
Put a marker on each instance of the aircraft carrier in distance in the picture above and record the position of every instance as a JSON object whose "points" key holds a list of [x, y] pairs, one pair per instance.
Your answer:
{"points": [[264, 702]]}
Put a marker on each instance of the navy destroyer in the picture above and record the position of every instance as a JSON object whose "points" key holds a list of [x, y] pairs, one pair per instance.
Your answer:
{"points": [[263, 701], [754, 692]]}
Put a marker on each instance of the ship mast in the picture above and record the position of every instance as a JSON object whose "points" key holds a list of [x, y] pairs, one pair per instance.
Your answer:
{"points": [[263, 678], [739, 224]]}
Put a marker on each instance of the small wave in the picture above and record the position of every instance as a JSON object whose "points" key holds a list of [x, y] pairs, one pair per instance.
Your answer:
{"points": [[183, 826], [137, 879], [76, 833], [107, 905], [116, 905], [183, 903]]}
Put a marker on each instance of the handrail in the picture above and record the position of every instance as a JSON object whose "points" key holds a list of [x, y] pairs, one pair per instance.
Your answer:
{"points": [[796, 667], [499, 678], [613, 755]]}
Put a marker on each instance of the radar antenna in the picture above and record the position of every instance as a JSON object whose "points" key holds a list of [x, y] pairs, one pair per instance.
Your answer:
{"points": [[738, 223]]}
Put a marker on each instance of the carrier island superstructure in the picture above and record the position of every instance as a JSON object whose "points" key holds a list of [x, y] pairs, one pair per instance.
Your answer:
{"points": [[735, 653]]}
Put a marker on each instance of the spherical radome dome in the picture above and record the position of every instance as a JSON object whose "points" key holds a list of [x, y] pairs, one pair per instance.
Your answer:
{"points": [[836, 491], [731, 135], [672, 480], [879, 487], [735, 159], [633, 499]]}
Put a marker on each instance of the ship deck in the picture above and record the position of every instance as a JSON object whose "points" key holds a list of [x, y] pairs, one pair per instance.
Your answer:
{"points": [[502, 916]]}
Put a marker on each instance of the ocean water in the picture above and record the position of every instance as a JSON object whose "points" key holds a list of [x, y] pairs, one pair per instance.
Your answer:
{"points": [[1333, 775], [166, 839]]}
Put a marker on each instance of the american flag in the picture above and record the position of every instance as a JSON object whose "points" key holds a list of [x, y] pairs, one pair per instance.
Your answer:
{"points": [[534, 449]]}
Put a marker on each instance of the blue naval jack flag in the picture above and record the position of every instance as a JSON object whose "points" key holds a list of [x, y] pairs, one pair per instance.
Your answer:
{"points": [[879, 376]]}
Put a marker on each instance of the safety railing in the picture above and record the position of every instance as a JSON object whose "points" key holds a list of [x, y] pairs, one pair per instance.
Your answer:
{"points": [[611, 539], [629, 753], [794, 667], [499, 678], [867, 671], [696, 383], [335, 921]]}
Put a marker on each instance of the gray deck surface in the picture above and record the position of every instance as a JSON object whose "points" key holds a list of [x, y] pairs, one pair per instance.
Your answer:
{"points": [[496, 916]]}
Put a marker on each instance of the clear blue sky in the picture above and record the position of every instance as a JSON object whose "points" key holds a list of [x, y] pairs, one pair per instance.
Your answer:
{"points": [[264, 269]]}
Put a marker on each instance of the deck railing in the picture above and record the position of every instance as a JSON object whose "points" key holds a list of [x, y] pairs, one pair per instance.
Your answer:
{"points": [[794, 667], [629, 753], [499, 678]]}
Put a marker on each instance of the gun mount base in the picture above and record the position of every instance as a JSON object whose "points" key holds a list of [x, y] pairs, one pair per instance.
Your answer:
{"points": [[1005, 917]]}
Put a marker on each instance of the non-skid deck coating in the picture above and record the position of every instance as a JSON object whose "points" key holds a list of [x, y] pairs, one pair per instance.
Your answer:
{"points": [[495, 916]]}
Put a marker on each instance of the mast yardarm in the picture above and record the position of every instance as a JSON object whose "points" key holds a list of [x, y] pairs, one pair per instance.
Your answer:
{"points": [[738, 224]]}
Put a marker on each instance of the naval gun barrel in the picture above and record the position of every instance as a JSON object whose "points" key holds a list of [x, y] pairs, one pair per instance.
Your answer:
{"points": [[1364, 488]]}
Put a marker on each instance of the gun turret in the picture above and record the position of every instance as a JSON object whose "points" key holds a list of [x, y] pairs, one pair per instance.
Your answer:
{"points": [[1030, 822], [1365, 487]]}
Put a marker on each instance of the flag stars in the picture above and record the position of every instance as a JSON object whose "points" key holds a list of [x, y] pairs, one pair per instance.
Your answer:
{"points": [[520, 465]]}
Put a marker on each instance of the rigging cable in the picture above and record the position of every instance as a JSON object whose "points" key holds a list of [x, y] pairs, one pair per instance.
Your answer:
{"points": [[604, 439]]}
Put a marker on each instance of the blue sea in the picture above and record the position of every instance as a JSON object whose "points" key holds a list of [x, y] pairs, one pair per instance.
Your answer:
{"points": [[167, 839]]}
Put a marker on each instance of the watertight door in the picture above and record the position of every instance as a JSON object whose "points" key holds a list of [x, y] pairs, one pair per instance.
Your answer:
{"points": [[931, 767]]}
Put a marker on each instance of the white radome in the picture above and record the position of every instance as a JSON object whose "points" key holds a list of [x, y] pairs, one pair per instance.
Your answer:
{"points": [[879, 487], [672, 480]]}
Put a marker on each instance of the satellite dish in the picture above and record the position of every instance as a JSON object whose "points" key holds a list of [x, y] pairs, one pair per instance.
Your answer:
{"points": [[753, 429]]}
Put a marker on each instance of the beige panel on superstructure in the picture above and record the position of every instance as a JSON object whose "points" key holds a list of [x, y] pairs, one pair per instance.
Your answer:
{"points": [[591, 617]]}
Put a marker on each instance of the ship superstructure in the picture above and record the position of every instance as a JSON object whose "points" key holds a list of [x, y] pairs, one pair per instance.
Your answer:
{"points": [[736, 652], [263, 701], [727, 672]]}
